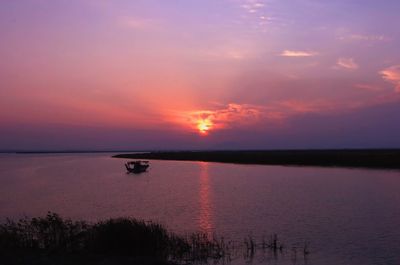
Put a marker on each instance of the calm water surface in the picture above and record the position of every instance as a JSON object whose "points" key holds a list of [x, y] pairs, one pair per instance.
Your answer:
{"points": [[349, 216]]}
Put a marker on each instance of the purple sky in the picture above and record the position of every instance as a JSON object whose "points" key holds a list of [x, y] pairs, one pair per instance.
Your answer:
{"points": [[174, 74]]}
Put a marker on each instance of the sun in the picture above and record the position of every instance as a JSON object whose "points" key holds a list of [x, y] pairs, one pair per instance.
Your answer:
{"points": [[204, 126]]}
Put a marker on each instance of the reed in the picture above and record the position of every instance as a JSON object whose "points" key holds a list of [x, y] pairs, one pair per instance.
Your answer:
{"points": [[119, 237], [126, 237]]}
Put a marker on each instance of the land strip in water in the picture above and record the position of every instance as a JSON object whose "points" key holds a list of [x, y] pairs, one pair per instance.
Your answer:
{"points": [[357, 158]]}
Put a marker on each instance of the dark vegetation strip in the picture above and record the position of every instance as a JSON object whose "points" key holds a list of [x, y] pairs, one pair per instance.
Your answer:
{"points": [[371, 158], [54, 240], [126, 237], [73, 152]]}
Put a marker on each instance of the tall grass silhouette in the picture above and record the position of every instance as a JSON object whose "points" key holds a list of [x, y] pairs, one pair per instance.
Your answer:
{"points": [[124, 237]]}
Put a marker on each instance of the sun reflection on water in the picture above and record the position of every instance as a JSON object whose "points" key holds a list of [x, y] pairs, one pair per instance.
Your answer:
{"points": [[206, 211]]}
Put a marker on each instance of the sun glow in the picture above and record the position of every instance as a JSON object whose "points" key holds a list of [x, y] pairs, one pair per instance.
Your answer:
{"points": [[204, 126]]}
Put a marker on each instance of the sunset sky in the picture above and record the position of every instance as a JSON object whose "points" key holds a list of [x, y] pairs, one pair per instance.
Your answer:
{"points": [[209, 74]]}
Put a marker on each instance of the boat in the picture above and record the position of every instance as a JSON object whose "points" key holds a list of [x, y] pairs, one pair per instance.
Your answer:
{"points": [[137, 166]]}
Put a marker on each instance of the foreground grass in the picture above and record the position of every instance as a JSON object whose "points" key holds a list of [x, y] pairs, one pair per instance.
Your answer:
{"points": [[365, 158], [54, 240]]}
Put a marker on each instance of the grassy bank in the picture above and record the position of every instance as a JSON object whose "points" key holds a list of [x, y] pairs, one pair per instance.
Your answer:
{"points": [[367, 158], [54, 240]]}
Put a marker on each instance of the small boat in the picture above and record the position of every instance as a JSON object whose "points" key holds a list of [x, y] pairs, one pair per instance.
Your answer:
{"points": [[137, 166]]}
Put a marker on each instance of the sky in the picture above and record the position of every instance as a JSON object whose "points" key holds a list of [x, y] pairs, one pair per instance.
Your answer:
{"points": [[209, 74]]}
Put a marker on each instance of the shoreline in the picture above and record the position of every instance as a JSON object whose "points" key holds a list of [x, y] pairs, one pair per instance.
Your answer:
{"points": [[350, 158]]}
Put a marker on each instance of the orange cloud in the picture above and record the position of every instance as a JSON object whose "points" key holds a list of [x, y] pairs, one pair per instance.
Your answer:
{"points": [[274, 114], [239, 115], [392, 75], [236, 115], [291, 53], [228, 116]]}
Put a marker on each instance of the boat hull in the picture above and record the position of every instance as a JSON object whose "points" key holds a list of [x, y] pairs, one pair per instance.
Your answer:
{"points": [[137, 168]]}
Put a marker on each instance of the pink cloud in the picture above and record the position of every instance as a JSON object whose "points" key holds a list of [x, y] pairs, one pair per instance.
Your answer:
{"points": [[347, 63], [368, 87], [392, 75], [252, 6], [137, 23], [292, 107], [292, 53], [361, 37]]}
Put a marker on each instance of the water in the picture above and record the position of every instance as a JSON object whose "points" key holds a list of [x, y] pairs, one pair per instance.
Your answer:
{"points": [[348, 216]]}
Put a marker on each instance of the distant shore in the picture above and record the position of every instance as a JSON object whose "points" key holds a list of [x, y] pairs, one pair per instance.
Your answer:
{"points": [[70, 152], [357, 158]]}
